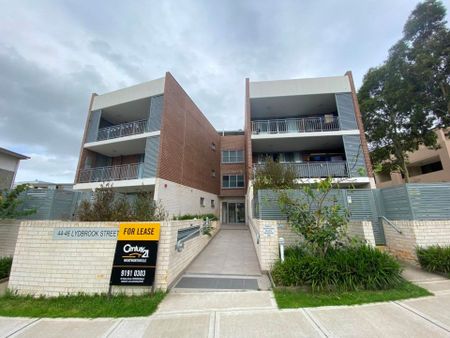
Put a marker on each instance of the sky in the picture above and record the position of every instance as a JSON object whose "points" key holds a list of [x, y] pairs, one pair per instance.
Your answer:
{"points": [[54, 54]]}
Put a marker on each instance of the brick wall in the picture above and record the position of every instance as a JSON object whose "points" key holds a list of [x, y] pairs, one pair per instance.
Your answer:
{"points": [[266, 235], [186, 156], [8, 236], [414, 234], [232, 142], [43, 266], [179, 199]]}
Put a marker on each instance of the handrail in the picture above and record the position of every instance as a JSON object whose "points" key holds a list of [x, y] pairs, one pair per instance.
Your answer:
{"points": [[317, 169], [179, 246], [391, 224], [110, 173], [123, 129], [255, 230], [295, 125]]}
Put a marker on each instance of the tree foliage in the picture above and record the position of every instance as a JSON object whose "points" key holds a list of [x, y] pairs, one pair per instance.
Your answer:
{"points": [[408, 95], [10, 202], [274, 175], [107, 205], [317, 216]]}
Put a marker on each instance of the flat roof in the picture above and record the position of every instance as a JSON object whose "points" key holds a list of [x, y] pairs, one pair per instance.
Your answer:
{"points": [[14, 154]]}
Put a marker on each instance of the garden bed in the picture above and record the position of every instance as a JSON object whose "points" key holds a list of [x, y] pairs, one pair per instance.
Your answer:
{"points": [[295, 297]]}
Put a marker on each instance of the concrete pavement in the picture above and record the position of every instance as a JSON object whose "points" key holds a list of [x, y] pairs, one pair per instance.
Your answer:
{"points": [[251, 314]]}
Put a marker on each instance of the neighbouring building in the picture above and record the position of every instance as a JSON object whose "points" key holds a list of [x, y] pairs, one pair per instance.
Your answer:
{"points": [[42, 185], [152, 136], [9, 163], [425, 165]]}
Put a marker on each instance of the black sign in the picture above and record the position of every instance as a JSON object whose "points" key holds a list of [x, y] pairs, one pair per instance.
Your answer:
{"points": [[134, 263]]}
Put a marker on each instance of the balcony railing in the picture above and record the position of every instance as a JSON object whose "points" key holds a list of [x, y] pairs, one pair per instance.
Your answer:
{"points": [[296, 125], [111, 173], [317, 169], [121, 130]]}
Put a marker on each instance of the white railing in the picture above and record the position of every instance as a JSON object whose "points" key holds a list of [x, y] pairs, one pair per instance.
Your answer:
{"points": [[111, 173], [317, 169], [121, 130], [295, 125]]}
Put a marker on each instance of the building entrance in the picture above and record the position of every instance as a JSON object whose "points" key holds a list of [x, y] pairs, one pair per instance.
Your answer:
{"points": [[233, 212]]}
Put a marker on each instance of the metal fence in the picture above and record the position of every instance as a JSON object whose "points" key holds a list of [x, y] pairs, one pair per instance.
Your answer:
{"points": [[295, 125], [316, 169], [124, 129], [111, 173]]}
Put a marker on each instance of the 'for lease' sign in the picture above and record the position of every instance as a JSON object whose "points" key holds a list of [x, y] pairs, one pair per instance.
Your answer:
{"points": [[135, 256]]}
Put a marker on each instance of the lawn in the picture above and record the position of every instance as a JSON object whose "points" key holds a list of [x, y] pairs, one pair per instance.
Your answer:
{"points": [[291, 298], [80, 306]]}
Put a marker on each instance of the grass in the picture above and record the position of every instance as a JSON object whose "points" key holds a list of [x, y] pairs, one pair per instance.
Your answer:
{"points": [[81, 306], [290, 298]]}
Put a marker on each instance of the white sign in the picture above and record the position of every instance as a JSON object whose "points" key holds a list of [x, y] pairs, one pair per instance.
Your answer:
{"points": [[268, 230], [85, 233]]}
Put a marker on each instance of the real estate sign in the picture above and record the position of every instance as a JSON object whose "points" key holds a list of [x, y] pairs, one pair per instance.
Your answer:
{"points": [[135, 256]]}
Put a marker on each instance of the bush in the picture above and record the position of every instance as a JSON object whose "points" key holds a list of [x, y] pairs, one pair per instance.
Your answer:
{"points": [[435, 259], [211, 217], [5, 266], [340, 269], [108, 205]]}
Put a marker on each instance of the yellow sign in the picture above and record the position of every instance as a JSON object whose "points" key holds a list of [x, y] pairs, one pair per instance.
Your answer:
{"points": [[139, 231]]}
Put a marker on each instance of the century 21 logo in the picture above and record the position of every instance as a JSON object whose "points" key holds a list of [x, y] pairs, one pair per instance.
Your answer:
{"points": [[136, 250]]}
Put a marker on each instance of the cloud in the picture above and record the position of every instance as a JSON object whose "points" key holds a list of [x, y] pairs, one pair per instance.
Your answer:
{"points": [[54, 54]]}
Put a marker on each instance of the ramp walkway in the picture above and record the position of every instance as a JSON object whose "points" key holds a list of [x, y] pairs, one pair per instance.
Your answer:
{"points": [[229, 262]]}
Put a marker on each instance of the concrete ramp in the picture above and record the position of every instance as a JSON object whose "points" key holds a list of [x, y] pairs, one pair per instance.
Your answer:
{"points": [[228, 263]]}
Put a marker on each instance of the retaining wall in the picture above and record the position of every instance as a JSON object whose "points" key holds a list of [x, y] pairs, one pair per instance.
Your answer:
{"points": [[266, 234], [43, 265], [415, 234], [9, 230]]}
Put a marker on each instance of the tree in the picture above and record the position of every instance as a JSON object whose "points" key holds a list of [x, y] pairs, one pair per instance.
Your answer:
{"points": [[10, 202], [274, 175], [406, 97], [317, 216]]}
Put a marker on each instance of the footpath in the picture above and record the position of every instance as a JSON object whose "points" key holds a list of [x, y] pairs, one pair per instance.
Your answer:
{"points": [[255, 314]]}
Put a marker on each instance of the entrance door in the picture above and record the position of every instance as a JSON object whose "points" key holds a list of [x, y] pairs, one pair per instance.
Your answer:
{"points": [[233, 212]]}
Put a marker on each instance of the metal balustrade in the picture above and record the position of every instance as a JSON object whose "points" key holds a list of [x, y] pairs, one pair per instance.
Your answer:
{"points": [[295, 125], [121, 130], [111, 173], [317, 169]]}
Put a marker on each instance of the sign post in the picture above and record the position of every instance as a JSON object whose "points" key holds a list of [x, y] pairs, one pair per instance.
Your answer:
{"points": [[135, 255]]}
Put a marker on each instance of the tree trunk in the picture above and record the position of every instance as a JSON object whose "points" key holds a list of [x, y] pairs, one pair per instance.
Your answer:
{"points": [[405, 170]]}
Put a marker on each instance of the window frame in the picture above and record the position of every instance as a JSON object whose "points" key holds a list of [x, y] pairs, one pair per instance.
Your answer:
{"points": [[235, 179], [233, 156]]}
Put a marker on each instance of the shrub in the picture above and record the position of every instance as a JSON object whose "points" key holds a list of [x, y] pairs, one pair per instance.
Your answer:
{"points": [[211, 217], [108, 205], [340, 269], [5, 266], [435, 259]]}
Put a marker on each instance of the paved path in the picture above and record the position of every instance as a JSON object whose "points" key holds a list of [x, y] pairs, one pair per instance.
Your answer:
{"points": [[228, 262], [251, 314], [434, 283]]}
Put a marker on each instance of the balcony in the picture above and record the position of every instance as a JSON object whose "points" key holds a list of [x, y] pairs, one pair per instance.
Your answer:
{"points": [[295, 125], [317, 169], [121, 130], [111, 173]]}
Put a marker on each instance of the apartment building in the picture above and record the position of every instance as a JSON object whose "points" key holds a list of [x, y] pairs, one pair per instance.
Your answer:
{"points": [[152, 136], [313, 125], [9, 164], [425, 165]]}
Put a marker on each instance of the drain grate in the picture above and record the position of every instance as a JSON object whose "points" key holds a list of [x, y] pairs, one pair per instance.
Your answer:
{"points": [[217, 283]]}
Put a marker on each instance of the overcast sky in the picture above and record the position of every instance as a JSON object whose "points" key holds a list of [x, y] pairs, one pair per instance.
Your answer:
{"points": [[54, 54]]}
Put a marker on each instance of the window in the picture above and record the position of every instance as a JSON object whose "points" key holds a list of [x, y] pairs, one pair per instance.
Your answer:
{"points": [[232, 181], [232, 156], [213, 204], [202, 201], [431, 167]]}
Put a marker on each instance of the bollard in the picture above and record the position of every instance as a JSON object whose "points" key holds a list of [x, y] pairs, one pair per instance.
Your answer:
{"points": [[281, 242]]}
